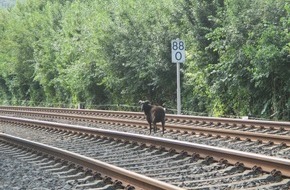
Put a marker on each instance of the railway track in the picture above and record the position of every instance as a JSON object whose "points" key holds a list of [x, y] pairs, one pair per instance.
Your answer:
{"points": [[183, 164], [170, 118], [270, 137], [73, 170], [264, 131], [248, 141]]}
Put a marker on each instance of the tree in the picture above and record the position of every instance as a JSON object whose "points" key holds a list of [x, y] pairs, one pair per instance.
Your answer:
{"points": [[138, 49]]}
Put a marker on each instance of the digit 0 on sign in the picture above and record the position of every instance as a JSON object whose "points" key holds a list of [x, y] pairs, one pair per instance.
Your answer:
{"points": [[178, 56]]}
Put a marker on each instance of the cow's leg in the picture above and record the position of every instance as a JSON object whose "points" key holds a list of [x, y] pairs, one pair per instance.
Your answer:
{"points": [[163, 124], [155, 127]]}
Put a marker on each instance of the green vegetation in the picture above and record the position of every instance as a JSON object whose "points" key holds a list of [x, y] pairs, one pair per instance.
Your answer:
{"points": [[56, 52]]}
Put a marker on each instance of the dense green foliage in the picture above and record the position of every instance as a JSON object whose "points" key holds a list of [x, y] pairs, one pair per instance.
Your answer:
{"points": [[118, 52]]}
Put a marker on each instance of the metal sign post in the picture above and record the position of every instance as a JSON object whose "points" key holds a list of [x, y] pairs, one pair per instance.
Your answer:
{"points": [[178, 88], [178, 56]]}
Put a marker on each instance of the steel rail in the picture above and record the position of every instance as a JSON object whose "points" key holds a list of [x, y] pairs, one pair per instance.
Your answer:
{"points": [[250, 160], [243, 135], [127, 178]]}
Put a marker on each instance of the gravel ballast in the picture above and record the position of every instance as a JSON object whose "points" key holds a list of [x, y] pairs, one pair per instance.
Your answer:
{"points": [[18, 175]]}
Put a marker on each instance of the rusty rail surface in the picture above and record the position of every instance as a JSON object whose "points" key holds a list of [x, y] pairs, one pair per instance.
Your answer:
{"points": [[127, 178], [250, 160], [183, 128]]}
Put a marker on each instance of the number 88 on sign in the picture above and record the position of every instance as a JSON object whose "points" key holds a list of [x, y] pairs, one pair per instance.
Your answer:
{"points": [[177, 51]]}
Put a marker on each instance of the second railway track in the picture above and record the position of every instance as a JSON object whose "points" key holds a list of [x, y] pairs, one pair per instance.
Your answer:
{"points": [[249, 141], [266, 131], [254, 125]]}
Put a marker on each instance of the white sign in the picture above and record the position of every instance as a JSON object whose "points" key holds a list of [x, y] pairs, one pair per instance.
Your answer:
{"points": [[177, 51]]}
